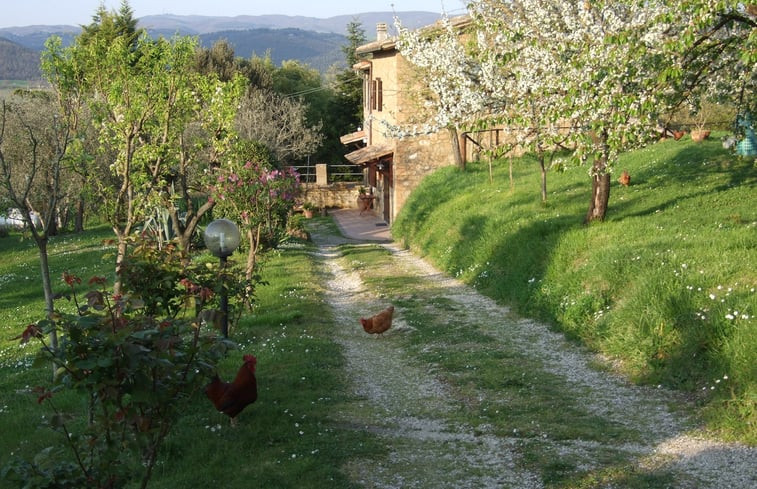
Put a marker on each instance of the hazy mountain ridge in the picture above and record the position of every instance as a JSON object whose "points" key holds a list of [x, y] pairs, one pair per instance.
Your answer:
{"points": [[318, 50], [313, 41], [18, 62], [198, 24]]}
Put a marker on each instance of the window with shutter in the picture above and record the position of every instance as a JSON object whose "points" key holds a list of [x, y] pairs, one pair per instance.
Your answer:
{"points": [[374, 87]]}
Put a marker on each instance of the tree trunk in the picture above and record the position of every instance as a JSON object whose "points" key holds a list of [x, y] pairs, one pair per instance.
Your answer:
{"points": [[600, 183], [120, 258], [459, 160], [47, 286], [600, 196], [253, 236], [79, 219], [52, 229], [187, 230], [543, 178]]}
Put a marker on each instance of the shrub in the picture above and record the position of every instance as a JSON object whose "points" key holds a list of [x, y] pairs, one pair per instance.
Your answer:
{"points": [[132, 365]]}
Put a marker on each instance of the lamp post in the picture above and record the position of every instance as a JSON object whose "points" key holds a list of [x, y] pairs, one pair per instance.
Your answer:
{"points": [[222, 238]]}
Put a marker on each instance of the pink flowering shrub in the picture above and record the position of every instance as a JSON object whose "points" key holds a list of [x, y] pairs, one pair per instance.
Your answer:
{"points": [[260, 199]]}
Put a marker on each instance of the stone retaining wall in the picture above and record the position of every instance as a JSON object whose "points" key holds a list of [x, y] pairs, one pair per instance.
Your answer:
{"points": [[342, 195]]}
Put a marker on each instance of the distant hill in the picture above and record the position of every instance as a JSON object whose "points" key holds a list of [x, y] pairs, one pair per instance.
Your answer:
{"points": [[315, 42], [317, 50], [198, 24], [34, 37], [18, 62]]}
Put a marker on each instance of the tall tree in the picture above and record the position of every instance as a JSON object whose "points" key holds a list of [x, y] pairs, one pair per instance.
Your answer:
{"points": [[263, 115], [221, 60], [348, 86], [35, 132], [142, 94], [207, 137], [111, 25], [344, 104], [106, 26], [299, 82]]}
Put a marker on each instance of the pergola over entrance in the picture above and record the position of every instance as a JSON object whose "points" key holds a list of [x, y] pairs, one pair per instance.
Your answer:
{"points": [[377, 159]]}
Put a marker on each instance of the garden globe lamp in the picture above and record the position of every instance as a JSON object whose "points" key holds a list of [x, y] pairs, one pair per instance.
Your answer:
{"points": [[222, 238]]}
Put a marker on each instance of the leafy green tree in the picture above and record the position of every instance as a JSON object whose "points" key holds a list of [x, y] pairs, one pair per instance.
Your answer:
{"points": [[296, 81], [221, 60], [111, 25], [138, 107], [348, 86], [345, 106], [143, 97], [714, 50]]}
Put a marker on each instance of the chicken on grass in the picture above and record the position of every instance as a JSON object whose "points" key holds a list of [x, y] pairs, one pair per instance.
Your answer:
{"points": [[232, 398]]}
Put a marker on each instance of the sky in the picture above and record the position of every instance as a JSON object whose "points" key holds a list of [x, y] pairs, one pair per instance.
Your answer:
{"points": [[18, 13]]}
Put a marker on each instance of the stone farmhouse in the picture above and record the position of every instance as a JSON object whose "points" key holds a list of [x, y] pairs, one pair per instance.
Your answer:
{"points": [[393, 166]]}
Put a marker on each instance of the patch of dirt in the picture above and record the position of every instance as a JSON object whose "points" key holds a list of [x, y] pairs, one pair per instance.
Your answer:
{"points": [[410, 409]]}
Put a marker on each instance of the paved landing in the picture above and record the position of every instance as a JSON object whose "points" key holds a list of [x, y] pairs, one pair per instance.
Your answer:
{"points": [[368, 227]]}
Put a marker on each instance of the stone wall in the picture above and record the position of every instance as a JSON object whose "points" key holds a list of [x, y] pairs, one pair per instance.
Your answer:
{"points": [[342, 195], [416, 158]]}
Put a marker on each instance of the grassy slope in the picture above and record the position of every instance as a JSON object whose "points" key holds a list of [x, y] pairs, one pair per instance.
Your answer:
{"points": [[664, 285]]}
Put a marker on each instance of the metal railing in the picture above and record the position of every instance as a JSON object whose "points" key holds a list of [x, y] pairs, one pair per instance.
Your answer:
{"points": [[307, 173], [334, 173], [345, 173]]}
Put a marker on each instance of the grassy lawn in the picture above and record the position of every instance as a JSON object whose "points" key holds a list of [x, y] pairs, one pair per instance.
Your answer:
{"points": [[286, 439], [665, 286]]}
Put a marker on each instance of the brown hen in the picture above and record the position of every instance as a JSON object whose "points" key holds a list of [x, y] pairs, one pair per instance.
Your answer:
{"points": [[378, 323]]}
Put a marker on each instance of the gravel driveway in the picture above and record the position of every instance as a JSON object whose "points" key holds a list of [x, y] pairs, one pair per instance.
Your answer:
{"points": [[410, 408]]}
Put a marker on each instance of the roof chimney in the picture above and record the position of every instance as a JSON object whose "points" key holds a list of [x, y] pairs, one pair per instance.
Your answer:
{"points": [[381, 31]]}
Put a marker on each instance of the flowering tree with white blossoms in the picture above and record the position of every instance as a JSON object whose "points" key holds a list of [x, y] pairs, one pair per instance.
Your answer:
{"points": [[524, 74], [716, 52], [590, 67], [454, 96], [596, 75], [470, 88]]}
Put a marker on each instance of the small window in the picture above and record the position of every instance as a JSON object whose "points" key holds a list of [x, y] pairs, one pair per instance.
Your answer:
{"points": [[377, 95]]}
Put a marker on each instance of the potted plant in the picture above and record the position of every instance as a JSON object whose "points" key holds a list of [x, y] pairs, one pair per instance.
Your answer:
{"points": [[698, 132], [307, 210], [364, 200]]}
